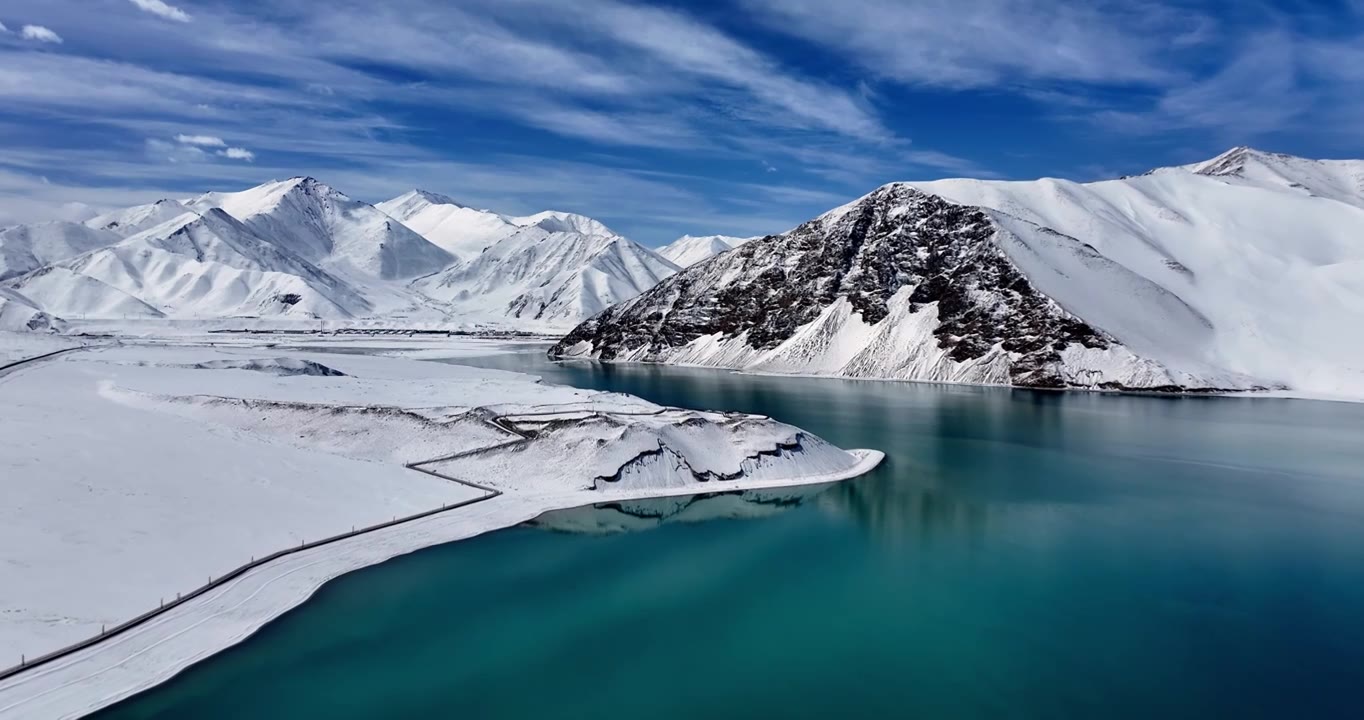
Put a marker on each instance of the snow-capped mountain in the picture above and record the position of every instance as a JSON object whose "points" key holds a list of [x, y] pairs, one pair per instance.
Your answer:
{"points": [[24, 248], [556, 267], [691, 249], [199, 265], [324, 226], [1340, 180], [462, 231], [1244, 271], [133, 220], [301, 249], [19, 313]]}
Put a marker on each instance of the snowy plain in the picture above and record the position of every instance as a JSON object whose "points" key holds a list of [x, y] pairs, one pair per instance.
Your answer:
{"points": [[137, 469]]}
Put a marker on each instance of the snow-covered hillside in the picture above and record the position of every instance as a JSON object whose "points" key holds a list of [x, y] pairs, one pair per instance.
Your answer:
{"points": [[463, 231], [209, 265], [19, 313], [1340, 180], [24, 248], [300, 249], [551, 268], [691, 249], [557, 267], [324, 226], [133, 220], [1244, 271]]}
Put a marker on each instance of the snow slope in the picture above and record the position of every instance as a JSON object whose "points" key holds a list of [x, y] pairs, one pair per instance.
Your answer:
{"points": [[1244, 271], [299, 249], [550, 269], [557, 268], [691, 249], [133, 220], [193, 265], [324, 226], [1340, 180], [1269, 249], [19, 313], [25, 248], [463, 231]]}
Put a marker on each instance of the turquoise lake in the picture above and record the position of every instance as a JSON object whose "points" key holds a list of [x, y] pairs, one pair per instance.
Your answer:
{"points": [[1019, 554]]}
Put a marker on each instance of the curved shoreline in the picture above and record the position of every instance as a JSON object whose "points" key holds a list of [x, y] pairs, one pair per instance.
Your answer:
{"points": [[156, 649]]}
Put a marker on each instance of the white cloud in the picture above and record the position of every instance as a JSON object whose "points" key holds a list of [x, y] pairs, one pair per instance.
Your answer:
{"points": [[236, 153], [189, 148], [173, 152], [157, 7], [3, 29], [40, 34], [202, 140]]}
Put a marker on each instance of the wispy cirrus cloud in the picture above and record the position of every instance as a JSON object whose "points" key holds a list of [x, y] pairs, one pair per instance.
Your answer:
{"points": [[984, 43], [200, 140], [774, 108]]}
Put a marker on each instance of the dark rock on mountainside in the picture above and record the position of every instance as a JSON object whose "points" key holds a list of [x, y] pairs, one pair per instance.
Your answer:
{"points": [[897, 237]]}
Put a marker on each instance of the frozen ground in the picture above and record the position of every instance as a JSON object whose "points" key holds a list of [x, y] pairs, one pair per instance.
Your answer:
{"points": [[133, 472], [19, 345]]}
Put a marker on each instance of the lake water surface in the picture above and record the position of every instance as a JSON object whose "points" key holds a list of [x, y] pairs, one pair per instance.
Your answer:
{"points": [[1019, 554]]}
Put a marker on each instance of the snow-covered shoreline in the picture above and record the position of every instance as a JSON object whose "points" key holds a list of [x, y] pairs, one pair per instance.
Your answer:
{"points": [[102, 531], [158, 650], [1276, 393]]}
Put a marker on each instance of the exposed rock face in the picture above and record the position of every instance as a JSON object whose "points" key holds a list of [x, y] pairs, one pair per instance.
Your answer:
{"points": [[900, 284]]}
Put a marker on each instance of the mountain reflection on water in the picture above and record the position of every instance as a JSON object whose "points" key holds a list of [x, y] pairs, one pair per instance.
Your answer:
{"points": [[638, 515]]}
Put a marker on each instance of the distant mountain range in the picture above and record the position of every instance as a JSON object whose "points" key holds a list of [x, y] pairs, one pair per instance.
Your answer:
{"points": [[691, 249], [1244, 271], [301, 249]]}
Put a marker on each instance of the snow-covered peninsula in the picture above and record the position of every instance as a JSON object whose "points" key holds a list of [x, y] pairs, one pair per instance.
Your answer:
{"points": [[139, 470]]}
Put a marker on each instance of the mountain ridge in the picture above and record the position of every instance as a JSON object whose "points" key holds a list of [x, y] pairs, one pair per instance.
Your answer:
{"points": [[1155, 267], [691, 249], [299, 248]]}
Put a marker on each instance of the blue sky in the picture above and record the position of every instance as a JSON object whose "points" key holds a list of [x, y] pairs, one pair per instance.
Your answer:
{"points": [[740, 117]]}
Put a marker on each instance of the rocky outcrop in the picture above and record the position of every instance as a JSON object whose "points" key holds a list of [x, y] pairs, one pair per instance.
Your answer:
{"points": [[899, 284]]}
